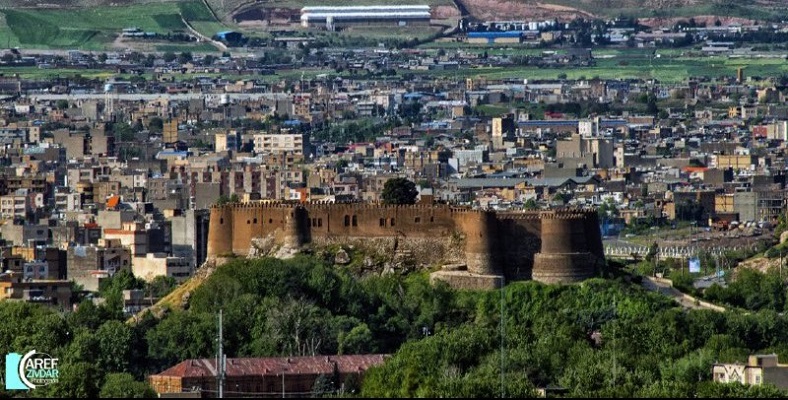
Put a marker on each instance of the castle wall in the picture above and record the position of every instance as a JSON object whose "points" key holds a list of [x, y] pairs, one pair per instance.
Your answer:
{"points": [[363, 220], [558, 246]]}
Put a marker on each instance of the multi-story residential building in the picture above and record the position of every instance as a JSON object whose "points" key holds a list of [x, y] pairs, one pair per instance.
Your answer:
{"points": [[17, 205], [156, 264], [87, 265], [56, 293], [131, 235], [295, 143]]}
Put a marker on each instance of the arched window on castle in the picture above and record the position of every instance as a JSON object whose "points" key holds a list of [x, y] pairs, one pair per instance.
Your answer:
{"points": [[382, 222], [418, 220], [355, 221], [391, 222], [347, 220]]}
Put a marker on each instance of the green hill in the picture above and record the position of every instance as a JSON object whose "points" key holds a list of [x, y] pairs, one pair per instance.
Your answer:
{"points": [[96, 28]]}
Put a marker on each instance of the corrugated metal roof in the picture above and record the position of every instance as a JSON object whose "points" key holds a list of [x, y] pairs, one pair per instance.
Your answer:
{"points": [[276, 365]]}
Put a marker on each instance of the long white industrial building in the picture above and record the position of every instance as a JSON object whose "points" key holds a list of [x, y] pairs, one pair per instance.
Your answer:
{"points": [[337, 17]]}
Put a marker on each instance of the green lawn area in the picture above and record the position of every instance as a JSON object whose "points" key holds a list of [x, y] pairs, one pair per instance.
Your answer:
{"points": [[95, 28], [664, 69], [39, 73]]}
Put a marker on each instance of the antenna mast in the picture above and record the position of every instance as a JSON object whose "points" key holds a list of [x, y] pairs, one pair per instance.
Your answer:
{"points": [[221, 361]]}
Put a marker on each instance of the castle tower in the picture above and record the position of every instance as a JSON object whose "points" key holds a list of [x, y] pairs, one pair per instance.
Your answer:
{"points": [[220, 231], [479, 238], [296, 229], [565, 256]]}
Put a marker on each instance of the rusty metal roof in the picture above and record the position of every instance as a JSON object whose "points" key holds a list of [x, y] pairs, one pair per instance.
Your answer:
{"points": [[274, 366]]}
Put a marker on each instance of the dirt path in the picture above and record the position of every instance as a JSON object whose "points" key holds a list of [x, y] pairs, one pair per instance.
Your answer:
{"points": [[218, 45]]}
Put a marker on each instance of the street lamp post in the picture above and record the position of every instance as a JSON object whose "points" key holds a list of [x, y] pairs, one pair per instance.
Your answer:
{"points": [[283, 382]]}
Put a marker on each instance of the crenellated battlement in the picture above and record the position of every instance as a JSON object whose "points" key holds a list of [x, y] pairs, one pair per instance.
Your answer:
{"points": [[503, 243]]}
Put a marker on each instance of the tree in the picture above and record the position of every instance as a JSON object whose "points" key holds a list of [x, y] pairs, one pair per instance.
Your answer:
{"points": [[155, 125], [102, 58], [653, 251], [399, 191], [61, 104], [222, 200], [208, 59], [114, 346], [323, 386], [123, 385], [169, 57], [531, 204], [185, 57], [77, 380], [8, 58]]}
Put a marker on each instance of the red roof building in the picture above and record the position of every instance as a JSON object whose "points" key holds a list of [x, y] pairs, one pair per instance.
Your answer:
{"points": [[263, 377]]}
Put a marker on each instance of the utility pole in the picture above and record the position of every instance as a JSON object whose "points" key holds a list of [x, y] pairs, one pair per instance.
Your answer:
{"points": [[502, 340], [221, 361]]}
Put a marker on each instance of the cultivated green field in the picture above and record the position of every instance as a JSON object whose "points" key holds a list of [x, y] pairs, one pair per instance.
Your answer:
{"points": [[96, 28], [674, 70]]}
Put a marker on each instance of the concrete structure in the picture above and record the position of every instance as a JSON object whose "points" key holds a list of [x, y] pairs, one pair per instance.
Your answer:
{"points": [[294, 143], [190, 236], [552, 246], [272, 377], [509, 37], [56, 293], [17, 205], [152, 265], [131, 235], [759, 369], [87, 265], [591, 152]]}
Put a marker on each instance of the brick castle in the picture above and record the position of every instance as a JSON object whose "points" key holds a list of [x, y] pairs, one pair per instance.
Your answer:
{"points": [[559, 246]]}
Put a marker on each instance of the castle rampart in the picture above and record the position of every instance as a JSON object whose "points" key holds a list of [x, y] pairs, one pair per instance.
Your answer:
{"points": [[550, 246]]}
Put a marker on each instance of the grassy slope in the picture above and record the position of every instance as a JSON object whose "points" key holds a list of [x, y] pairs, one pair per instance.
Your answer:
{"points": [[663, 8], [94, 28]]}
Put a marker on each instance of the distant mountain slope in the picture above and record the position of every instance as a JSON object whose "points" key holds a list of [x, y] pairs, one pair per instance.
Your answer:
{"points": [[566, 9], [74, 3], [99, 27]]}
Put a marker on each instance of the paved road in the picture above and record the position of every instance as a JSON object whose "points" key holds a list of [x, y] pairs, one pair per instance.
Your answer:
{"points": [[667, 290]]}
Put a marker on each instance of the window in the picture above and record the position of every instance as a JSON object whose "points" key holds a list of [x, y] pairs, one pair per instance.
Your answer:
{"points": [[221, 221], [418, 219], [320, 222], [347, 220], [432, 219], [382, 222], [355, 221], [392, 222], [270, 221], [757, 379], [254, 221], [248, 222]]}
